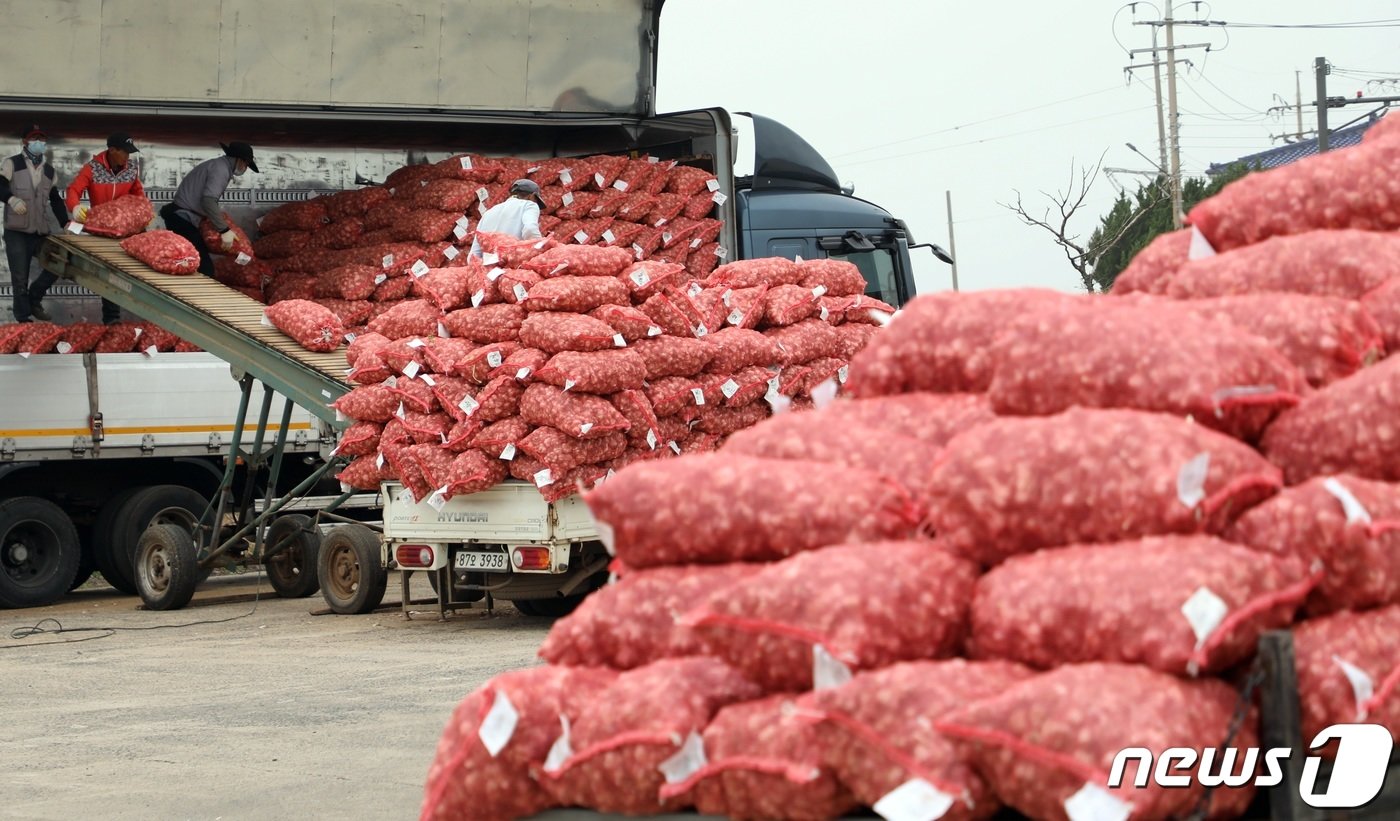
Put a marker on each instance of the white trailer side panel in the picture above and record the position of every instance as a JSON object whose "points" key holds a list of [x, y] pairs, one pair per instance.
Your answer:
{"points": [[165, 404]]}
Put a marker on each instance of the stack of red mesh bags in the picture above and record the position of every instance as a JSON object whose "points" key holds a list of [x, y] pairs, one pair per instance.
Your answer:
{"points": [[555, 361], [29, 338], [1036, 531]]}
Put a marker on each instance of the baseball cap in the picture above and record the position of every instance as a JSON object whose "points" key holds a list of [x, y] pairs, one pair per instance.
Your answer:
{"points": [[122, 140]]}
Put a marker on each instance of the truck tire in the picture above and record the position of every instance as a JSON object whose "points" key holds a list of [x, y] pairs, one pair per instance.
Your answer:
{"points": [[86, 567], [166, 567], [292, 572], [155, 505], [39, 552], [554, 608], [105, 544], [353, 579]]}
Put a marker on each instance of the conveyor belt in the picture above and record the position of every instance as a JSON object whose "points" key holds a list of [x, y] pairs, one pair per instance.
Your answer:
{"points": [[213, 316]]}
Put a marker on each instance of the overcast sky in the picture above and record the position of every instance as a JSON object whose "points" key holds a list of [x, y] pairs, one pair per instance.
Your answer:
{"points": [[909, 98]]}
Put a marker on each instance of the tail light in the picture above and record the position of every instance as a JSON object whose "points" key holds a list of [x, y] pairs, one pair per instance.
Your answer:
{"points": [[413, 555], [531, 558]]}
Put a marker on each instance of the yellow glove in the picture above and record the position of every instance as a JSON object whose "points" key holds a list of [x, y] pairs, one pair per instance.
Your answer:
{"points": [[226, 240], [80, 214]]}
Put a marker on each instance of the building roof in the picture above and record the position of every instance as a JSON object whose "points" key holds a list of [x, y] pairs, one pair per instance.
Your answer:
{"points": [[1292, 152]]}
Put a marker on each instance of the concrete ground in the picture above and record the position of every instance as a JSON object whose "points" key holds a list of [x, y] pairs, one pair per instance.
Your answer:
{"points": [[274, 714]]}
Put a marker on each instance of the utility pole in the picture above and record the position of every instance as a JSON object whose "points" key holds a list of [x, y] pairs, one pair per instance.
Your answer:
{"points": [[1321, 68], [1157, 89], [952, 246], [1298, 101], [1177, 216]]}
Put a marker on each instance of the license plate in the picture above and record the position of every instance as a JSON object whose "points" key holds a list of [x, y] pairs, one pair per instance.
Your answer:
{"points": [[485, 561]]}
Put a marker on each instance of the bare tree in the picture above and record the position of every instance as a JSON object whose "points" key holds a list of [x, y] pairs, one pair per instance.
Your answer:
{"points": [[1064, 204]]}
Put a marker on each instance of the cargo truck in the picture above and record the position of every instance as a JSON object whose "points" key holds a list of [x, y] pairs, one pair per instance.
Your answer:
{"points": [[335, 95]]}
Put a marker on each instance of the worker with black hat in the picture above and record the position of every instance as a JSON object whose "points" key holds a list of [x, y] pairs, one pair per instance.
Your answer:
{"points": [[197, 199], [26, 182], [108, 175]]}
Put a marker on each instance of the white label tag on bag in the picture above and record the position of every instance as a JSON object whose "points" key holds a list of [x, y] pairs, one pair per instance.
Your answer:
{"points": [[463, 221], [494, 359], [914, 800], [719, 198], [620, 185], [494, 274], [696, 243], [544, 478], [1204, 611], [819, 291], [63, 347], [419, 268], [721, 252], [558, 269], [736, 317], [1362, 685], [428, 380], [478, 298], [713, 185], [415, 342], [442, 331], [729, 388], [609, 237], [675, 447], [266, 323], [1200, 247], [825, 393], [1094, 803], [437, 500], [499, 724], [568, 198], [388, 260], [1191, 480], [699, 396], [584, 428], [460, 232], [666, 239], [468, 405], [508, 452], [687, 761], [651, 439], [451, 252], [566, 176], [380, 279], [640, 277], [75, 227], [599, 179], [619, 341], [582, 237], [827, 670], [411, 369], [242, 258], [483, 194], [519, 291], [569, 384], [726, 296], [400, 413], [638, 252], [561, 750], [1355, 511], [654, 330], [700, 331], [489, 259], [466, 163], [843, 373], [522, 374], [379, 461]]}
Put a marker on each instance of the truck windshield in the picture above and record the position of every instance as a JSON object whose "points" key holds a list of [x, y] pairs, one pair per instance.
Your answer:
{"points": [[878, 266]]}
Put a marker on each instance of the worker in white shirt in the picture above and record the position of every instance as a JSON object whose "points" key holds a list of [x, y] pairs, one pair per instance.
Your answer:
{"points": [[518, 216]]}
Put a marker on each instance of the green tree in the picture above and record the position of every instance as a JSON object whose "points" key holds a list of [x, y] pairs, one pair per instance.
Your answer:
{"points": [[1134, 222]]}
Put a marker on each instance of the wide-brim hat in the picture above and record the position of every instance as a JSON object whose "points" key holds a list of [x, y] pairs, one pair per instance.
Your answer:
{"points": [[241, 151]]}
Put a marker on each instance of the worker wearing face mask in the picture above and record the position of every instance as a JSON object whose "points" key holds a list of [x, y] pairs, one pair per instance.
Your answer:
{"points": [[197, 199], [27, 182]]}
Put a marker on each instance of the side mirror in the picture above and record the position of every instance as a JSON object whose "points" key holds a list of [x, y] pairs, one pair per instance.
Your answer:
{"points": [[938, 251]]}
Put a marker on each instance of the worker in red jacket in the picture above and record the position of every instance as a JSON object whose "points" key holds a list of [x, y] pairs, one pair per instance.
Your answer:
{"points": [[106, 176]]}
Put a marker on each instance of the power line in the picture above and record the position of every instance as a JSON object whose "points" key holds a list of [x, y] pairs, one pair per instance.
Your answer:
{"points": [[1036, 130], [974, 122], [1389, 22]]}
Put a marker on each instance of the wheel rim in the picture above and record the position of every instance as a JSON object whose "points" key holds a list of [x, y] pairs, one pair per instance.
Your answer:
{"points": [[344, 579], [287, 567], [29, 552], [153, 571], [180, 517]]}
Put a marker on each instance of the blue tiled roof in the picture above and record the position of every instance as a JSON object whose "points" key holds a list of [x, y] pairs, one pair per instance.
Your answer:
{"points": [[1292, 152]]}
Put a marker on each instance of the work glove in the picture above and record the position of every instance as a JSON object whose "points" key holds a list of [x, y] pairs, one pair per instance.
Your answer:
{"points": [[17, 205], [226, 240], [80, 214]]}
